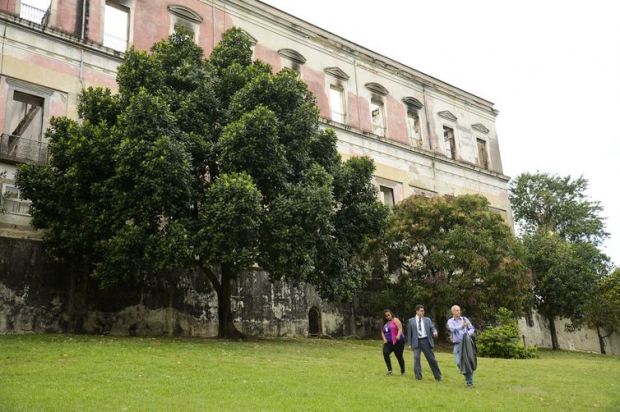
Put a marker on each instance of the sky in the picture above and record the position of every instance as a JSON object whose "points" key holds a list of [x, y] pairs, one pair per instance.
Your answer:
{"points": [[552, 69]]}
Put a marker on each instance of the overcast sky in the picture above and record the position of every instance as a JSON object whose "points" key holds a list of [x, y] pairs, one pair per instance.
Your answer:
{"points": [[552, 68]]}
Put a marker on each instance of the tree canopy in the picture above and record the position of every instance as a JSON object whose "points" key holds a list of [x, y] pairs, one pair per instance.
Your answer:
{"points": [[216, 164], [561, 229], [450, 250], [602, 312], [545, 202]]}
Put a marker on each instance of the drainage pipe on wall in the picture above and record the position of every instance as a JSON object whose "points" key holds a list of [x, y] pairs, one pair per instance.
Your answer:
{"points": [[82, 34]]}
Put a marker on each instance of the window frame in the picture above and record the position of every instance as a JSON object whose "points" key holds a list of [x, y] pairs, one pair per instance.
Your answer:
{"points": [[14, 205], [181, 16], [450, 146], [386, 190], [394, 187], [123, 6], [40, 92], [380, 106], [339, 117], [292, 60], [413, 120], [486, 163], [16, 146]]}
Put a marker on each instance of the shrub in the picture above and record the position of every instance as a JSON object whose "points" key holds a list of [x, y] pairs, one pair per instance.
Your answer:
{"points": [[502, 341]]}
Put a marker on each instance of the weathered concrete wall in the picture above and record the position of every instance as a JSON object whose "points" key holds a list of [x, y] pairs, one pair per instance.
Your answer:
{"points": [[37, 295], [30, 292], [536, 333]]}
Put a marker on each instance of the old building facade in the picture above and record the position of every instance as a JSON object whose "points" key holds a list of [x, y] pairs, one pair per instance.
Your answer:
{"points": [[425, 136]]}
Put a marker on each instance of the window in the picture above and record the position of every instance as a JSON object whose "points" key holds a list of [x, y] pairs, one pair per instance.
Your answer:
{"points": [[449, 143], [413, 124], [116, 27], [25, 116], [378, 117], [387, 195], [183, 18], [34, 10], [12, 201], [178, 28], [336, 102], [292, 60], [483, 157]]}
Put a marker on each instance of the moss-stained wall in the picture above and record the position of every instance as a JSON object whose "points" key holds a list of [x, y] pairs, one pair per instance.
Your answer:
{"points": [[40, 295]]}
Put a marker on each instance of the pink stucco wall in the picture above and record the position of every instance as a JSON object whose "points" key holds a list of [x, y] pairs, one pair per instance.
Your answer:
{"points": [[67, 19], [364, 113], [397, 120], [10, 6], [269, 56], [353, 112], [153, 25], [316, 83], [95, 21]]}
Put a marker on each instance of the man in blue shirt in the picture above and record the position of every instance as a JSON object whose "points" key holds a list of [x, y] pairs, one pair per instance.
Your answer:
{"points": [[460, 326]]}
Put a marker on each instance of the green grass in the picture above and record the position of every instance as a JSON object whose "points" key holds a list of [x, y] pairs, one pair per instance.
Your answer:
{"points": [[94, 373]]}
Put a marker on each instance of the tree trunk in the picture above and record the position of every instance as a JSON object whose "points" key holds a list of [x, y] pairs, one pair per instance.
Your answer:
{"points": [[76, 302], [226, 328], [554, 333], [170, 318], [441, 325], [601, 340]]}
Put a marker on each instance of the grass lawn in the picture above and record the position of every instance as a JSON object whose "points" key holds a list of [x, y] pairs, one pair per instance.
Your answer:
{"points": [[104, 373]]}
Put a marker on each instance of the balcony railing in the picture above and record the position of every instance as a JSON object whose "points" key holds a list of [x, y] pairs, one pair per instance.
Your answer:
{"points": [[15, 206], [115, 42], [31, 13], [21, 150]]}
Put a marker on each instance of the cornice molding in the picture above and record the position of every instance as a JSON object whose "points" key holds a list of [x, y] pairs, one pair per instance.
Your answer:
{"points": [[185, 13], [336, 72], [292, 55], [447, 115], [412, 102], [377, 88], [252, 39], [480, 127], [30, 87]]}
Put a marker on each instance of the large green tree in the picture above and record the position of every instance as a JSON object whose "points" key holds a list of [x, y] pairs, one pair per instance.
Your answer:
{"points": [[562, 230], [454, 250], [602, 312], [214, 164], [565, 276]]}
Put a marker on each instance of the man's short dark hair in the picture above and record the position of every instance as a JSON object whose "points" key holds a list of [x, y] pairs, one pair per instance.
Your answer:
{"points": [[418, 307]]}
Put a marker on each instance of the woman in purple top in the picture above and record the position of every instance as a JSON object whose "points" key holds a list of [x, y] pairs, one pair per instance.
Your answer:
{"points": [[393, 341]]}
